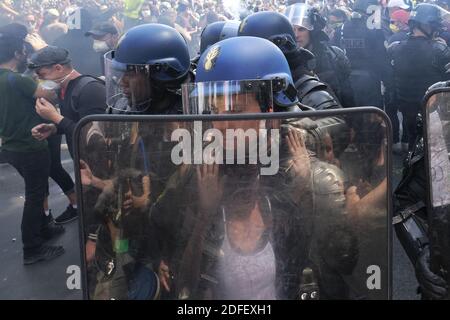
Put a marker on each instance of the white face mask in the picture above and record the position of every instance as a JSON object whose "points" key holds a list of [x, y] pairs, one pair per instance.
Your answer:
{"points": [[50, 85], [100, 46], [146, 13], [54, 84]]}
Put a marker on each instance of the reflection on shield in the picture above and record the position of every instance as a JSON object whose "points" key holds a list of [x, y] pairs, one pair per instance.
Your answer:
{"points": [[437, 146], [268, 206]]}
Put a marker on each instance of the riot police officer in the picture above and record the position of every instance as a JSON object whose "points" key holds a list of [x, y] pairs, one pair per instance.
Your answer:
{"points": [[225, 84], [367, 54], [276, 27], [332, 65], [143, 76], [145, 72], [418, 62], [419, 226], [217, 31]]}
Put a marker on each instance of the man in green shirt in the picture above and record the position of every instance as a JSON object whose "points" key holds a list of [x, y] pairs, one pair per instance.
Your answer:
{"points": [[27, 155]]}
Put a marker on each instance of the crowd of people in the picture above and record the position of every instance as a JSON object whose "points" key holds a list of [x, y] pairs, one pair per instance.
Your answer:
{"points": [[156, 229]]}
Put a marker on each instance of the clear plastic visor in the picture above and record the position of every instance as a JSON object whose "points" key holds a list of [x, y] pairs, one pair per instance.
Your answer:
{"points": [[228, 97], [298, 15], [128, 87]]}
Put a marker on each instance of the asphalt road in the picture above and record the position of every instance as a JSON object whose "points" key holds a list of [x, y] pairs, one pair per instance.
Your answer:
{"points": [[48, 280]]}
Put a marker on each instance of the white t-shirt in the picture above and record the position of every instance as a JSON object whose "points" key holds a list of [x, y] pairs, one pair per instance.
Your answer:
{"points": [[247, 277]]}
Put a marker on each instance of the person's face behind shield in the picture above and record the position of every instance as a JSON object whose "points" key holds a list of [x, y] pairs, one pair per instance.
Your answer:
{"points": [[136, 86], [240, 103], [129, 87], [235, 133], [234, 98], [302, 36]]}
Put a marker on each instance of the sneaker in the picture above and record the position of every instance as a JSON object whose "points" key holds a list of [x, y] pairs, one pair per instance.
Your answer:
{"points": [[68, 215], [44, 253], [52, 231]]}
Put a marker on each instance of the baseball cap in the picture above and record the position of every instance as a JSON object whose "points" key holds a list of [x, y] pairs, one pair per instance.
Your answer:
{"points": [[101, 29], [48, 56]]}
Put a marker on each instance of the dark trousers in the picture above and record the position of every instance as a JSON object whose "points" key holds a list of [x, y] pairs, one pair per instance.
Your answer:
{"points": [[410, 110], [392, 113], [57, 172], [34, 167]]}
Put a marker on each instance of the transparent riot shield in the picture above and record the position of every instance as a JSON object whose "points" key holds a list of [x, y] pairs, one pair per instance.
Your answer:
{"points": [[437, 146], [251, 206]]}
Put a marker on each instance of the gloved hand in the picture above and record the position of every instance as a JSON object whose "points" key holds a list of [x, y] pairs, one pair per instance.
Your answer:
{"points": [[432, 285]]}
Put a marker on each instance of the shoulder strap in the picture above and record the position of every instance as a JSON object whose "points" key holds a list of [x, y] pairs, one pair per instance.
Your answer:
{"points": [[83, 81]]}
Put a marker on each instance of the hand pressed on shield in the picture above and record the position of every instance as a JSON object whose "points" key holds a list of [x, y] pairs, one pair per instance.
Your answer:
{"points": [[43, 131], [210, 186], [88, 179], [138, 202], [300, 162], [86, 174]]}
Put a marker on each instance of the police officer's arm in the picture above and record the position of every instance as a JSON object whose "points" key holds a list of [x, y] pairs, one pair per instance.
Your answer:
{"points": [[390, 94], [443, 58], [374, 199], [381, 60], [410, 223], [344, 69]]}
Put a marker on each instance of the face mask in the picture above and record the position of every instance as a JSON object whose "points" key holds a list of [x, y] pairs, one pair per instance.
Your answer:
{"points": [[54, 84], [146, 13], [50, 85], [394, 28], [100, 46]]}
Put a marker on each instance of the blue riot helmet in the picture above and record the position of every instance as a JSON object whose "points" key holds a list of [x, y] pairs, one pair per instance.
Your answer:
{"points": [[236, 74], [149, 60], [272, 26], [217, 31], [429, 18]]}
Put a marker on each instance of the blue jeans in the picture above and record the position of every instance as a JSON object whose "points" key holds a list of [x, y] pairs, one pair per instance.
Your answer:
{"points": [[143, 285]]}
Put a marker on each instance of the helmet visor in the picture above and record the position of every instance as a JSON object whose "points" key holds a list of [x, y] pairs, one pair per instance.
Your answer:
{"points": [[128, 87], [298, 15], [227, 97]]}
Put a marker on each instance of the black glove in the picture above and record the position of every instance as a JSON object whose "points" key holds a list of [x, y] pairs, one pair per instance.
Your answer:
{"points": [[432, 285]]}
